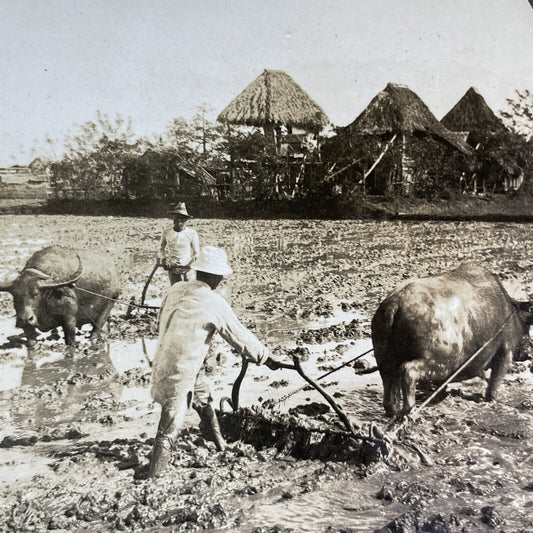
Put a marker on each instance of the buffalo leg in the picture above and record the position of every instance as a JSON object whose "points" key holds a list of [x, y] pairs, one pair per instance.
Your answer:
{"points": [[410, 373], [500, 366], [69, 329], [102, 319], [391, 395]]}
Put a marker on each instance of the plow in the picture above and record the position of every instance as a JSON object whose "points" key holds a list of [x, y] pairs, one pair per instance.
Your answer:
{"points": [[350, 441], [301, 439], [340, 439]]}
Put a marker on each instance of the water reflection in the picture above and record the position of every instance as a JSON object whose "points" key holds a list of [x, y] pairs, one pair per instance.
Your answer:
{"points": [[335, 505], [56, 388], [47, 359], [126, 355], [11, 375]]}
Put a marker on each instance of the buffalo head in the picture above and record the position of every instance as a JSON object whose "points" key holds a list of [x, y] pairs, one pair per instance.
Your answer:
{"points": [[524, 311], [30, 290]]}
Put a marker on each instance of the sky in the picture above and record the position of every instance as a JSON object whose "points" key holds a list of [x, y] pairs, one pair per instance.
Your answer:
{"points": [[155, 60]]}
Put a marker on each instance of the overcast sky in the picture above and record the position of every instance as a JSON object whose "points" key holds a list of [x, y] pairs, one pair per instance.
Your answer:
{"points": [[155, 60]]}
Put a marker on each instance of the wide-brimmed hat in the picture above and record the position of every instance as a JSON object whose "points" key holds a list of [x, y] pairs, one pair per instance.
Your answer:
{"points": [[212, 260], [179, 209]]}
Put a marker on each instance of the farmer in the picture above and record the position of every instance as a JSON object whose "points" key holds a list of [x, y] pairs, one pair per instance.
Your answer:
{"points": [[179, 245], [191, 314]]}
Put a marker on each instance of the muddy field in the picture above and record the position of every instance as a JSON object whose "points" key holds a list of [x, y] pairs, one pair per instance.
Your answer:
{"points": [[77, 425]]}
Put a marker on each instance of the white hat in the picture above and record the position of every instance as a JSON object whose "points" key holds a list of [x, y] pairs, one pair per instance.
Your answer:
{"points": [[212, 260]]}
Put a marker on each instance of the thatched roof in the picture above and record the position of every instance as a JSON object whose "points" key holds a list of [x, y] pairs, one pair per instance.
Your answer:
{"points": [[153, 156], [397, 109], [471, 113], [274, 98]]}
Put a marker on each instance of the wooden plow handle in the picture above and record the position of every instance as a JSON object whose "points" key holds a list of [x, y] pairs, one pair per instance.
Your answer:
{"points": [[234, 402], [327, 397], [156, 266]]}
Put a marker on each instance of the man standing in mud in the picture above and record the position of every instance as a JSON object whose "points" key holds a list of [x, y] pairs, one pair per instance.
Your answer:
{"points": [[191, 314], [179, 245]]}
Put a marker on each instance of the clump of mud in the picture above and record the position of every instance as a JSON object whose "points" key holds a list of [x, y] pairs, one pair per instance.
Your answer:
{"points": [[100, 492], [10, 441], [352, 330], [413, 520], [134, 324]]}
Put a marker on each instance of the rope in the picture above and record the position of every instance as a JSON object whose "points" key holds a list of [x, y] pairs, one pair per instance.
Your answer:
{"points": [[129, 304], [287, 396]]}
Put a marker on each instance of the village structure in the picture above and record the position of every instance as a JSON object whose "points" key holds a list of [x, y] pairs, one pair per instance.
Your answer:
{"points": [[279, 143], [25, 185]]}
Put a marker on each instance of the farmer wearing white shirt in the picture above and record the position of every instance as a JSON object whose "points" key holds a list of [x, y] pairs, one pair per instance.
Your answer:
{"points": [[191, 314], [179, 245]]}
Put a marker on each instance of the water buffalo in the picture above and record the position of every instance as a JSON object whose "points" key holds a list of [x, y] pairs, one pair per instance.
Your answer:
{"points": [[427, 328], [50, 291]]}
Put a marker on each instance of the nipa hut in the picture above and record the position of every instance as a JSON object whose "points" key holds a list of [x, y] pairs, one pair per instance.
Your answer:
{"points": [[498, 167], [164, 174], [278, 105], [409, 145], [274, 100]]}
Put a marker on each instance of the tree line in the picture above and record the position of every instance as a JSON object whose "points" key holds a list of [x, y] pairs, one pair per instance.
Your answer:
{"points": [[105, 160]]}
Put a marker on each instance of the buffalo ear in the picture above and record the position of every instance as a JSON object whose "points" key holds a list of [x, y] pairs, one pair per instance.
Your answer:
{"points": [[525, 306]]}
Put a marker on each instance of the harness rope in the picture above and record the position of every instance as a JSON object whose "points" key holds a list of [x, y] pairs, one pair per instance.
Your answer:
{"points": [[287, 396], [129, 304]]}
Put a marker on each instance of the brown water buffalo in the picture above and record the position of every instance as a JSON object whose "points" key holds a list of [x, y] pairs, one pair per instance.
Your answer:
{"points": [[427, 328], [50, 291]]}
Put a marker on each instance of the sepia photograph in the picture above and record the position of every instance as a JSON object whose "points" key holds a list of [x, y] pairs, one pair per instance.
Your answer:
{"points": [[266, 266]]}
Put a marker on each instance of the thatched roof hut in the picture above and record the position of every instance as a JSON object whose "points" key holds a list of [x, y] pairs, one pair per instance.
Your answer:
{"points": [[396, 145], [397, 109], [164, 174], [274, 99], [472, 114], [499, 160]]}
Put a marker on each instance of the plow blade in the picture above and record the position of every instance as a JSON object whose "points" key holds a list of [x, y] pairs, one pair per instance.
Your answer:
{"points": [[300, 438]]}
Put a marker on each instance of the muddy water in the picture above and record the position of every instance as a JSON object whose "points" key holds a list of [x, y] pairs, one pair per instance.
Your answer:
{"points": [[337, 505], [298, 275], [135, 413]]}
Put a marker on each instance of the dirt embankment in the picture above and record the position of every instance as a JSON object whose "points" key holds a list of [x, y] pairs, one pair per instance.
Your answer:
{"points": [[490, 207]]}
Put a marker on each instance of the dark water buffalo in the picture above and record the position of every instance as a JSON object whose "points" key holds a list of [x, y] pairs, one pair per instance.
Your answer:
{"points": [[48, 292], [427, 328]]}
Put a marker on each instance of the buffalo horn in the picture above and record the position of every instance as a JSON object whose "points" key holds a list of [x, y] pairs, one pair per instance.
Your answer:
{"points": [[6, 284], [36, 272], [53, 284]]}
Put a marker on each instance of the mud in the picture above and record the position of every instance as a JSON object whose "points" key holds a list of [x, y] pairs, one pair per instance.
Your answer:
{"points": [[77, 424]]}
